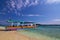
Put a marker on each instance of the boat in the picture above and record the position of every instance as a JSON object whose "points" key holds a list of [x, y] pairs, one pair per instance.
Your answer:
{"points": [[2, 28], [18, 27], [15, 25]]}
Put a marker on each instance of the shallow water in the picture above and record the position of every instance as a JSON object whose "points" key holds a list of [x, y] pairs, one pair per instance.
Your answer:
{"points": [[48, 32]]}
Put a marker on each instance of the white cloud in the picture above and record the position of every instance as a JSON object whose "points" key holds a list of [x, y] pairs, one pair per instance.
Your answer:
{"points": [[18, 5], [31, 15], [12, 3], [53, 21], [56, 19], [26, 3], [34, 2], [52, 1]]}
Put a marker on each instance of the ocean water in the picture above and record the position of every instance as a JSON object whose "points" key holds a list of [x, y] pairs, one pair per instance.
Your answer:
{"points": [[46, 32]]}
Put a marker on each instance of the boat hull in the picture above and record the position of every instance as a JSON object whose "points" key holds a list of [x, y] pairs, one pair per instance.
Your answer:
{"points": [[18, 27]]}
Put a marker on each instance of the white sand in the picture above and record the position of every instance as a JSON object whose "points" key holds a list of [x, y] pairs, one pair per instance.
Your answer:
{"points": [[13, 35]]}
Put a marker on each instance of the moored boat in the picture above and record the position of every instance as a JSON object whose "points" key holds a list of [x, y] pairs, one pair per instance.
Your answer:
{"points": [[15, 25], [19, 27]]}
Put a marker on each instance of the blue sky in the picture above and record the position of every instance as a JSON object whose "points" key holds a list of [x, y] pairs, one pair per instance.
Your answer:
{"points": [[41, 11]]}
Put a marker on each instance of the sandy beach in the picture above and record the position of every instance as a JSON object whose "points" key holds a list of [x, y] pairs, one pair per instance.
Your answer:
{"points": [[13, 35]]}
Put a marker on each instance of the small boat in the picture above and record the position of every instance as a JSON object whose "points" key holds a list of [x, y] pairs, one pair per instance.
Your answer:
{"points": [[15, 25], [19, 27], [2, 28]]}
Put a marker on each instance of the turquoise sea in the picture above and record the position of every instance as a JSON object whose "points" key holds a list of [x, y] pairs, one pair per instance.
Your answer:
{"points": [[47, 32]]}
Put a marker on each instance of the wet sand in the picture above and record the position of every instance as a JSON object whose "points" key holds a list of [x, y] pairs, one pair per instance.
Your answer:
{"points": [[13, 35]]}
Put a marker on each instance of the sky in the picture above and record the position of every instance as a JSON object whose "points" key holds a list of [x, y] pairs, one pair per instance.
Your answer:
{"points": [[40, 11]]}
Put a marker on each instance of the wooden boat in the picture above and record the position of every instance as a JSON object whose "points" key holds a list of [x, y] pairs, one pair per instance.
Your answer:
{"points": [[18, 27]]}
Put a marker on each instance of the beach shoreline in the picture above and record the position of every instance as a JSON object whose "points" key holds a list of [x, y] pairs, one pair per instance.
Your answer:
{"points": [[22, 35], [13, 35]]}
